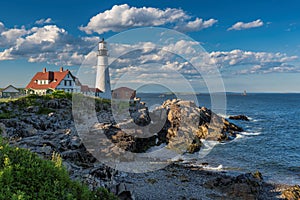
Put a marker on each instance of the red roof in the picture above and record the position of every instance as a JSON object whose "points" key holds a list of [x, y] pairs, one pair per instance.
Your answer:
{"points": [[86, 88], [54, 77], [123, 89], [95, 90]]}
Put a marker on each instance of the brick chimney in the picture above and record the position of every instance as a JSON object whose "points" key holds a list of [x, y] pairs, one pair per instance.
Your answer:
{"points": [[44, 70], [61, 69]]}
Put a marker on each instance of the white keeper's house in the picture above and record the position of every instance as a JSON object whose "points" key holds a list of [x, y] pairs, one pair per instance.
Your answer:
{"points": [[47, 81]]}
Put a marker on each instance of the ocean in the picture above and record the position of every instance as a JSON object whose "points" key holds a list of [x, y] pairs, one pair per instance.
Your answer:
{"points": [[270, 142]]}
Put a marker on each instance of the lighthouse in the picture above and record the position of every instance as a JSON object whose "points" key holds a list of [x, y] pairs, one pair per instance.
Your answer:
{"points": [[102, 78]]}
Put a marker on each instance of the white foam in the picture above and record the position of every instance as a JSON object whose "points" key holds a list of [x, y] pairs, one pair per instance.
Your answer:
{"points": [[219, 168], [256, 120], [223, 115], [250, 133], [239, 136]]}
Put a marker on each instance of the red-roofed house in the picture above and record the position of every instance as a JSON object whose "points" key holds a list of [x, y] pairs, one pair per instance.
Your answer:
{"points": [[45, 82]]}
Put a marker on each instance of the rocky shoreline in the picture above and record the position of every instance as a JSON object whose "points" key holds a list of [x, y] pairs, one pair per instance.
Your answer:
{"points": [[47, 125]]}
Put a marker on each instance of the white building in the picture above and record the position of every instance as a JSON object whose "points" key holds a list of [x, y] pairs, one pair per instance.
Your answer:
{"points": [[45, 82], [9, 92], [102, 78]]}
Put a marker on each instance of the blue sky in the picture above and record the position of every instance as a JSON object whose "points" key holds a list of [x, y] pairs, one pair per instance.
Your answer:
{"points": [[261, 53]]}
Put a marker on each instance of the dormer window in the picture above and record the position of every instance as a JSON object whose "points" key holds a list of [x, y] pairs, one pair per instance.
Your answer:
{"points": [[42, 82]]}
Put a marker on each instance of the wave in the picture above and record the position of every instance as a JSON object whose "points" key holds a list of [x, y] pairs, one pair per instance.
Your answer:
{"points": [[250, 133], [219, 168], [223, 115], [239, 136]]}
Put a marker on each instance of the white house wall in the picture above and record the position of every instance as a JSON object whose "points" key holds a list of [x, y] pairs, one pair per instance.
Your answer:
{"points": [[68, 84]]}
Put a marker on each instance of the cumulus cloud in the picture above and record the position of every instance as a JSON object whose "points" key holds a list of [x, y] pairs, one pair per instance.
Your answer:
{"points": [[54, 45], [122, 17], [196, 25], [239, 57], [266, 68], [44, 21], [10, 36], [48, 43], [2, 27], [242, 25]]}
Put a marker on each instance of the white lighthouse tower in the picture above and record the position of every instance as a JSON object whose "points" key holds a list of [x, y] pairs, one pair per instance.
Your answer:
{"points": [[102, 78]]}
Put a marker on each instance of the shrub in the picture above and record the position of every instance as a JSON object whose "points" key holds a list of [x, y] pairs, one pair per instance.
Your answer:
{"points": [[59, 94], [23, 175], [6, 115], [44, 111]]}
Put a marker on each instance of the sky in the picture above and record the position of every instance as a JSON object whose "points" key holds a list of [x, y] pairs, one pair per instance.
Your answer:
{"points": [[254, 45]]}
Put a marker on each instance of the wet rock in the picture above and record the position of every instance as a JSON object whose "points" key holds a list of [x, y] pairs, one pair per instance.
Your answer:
{"points": [[245, 186], [239, 117]]}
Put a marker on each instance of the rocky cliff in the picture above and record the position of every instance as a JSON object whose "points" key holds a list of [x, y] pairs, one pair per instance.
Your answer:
{"points": [[46, 125]]}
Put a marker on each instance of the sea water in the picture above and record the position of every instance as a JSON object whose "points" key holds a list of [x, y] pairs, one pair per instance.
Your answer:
{"points": [[270, 142]]}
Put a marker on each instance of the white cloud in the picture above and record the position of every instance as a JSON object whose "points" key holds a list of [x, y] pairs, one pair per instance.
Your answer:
{"points": [[10, 36], [54, 45], [266, 68], [122, 17], [248, 62], [2, 27], [196, 25], [48, 43], [242, 25], [44, 21], [229, 62]]}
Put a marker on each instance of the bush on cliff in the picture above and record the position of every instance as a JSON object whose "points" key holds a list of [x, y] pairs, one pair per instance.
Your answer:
{"points": [[23, 175]]}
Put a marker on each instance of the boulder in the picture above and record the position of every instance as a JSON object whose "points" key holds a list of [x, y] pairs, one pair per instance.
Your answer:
{"points": [[245, 186], [122, 191], [239, 117]]}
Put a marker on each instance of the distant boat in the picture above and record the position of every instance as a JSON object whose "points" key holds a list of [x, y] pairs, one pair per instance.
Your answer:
{"points": [[162, 95], [245, 93]]}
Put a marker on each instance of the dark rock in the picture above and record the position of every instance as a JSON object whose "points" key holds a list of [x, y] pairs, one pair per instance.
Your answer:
{"points": [[239, 117], [122, 191], [244, 186]]}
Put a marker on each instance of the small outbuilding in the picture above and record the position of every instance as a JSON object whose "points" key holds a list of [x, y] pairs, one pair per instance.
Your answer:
{"points": [[10, 92], [123, 93]]}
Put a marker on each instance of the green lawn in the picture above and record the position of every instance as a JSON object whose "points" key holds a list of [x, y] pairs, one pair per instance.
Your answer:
{"points": [[4, 100]]}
